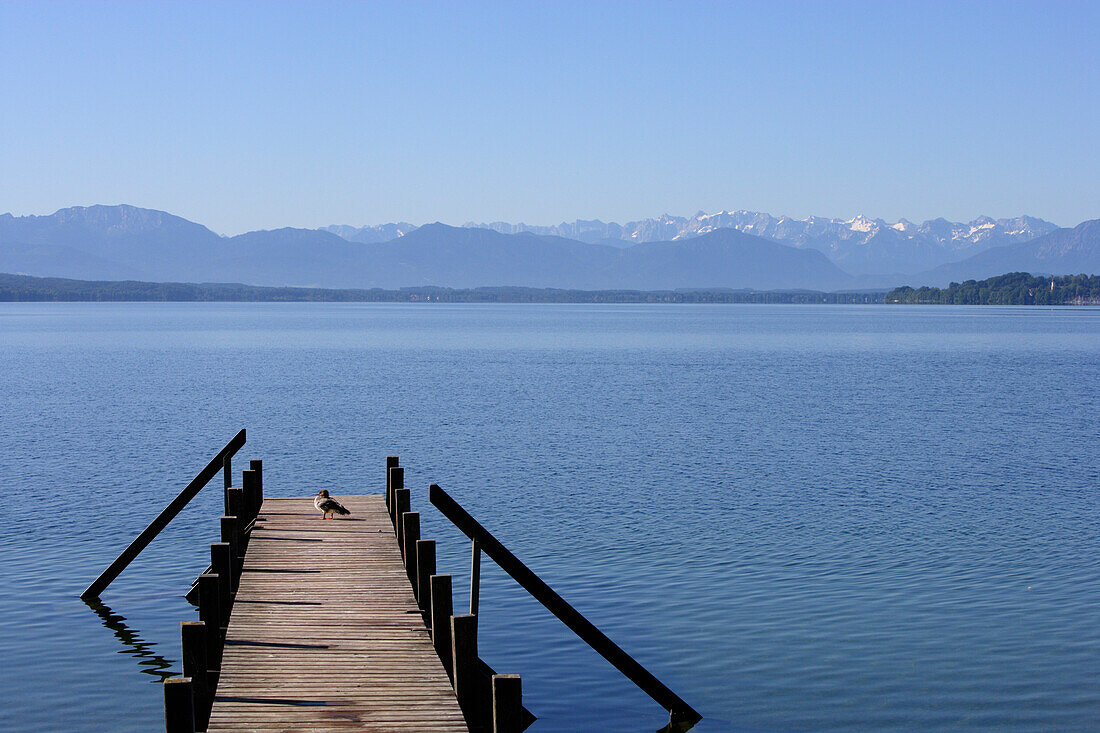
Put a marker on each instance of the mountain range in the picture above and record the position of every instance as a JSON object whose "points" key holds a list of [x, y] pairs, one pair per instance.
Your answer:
{"points": [[860, 246], [1061, 252], [708, 251]]}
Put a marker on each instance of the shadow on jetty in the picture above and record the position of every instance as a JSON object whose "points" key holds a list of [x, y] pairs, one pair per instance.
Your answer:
{"points": [[149, 662]]}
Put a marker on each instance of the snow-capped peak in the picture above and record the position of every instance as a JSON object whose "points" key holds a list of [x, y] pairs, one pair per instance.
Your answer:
{"points": [[860, 224]]}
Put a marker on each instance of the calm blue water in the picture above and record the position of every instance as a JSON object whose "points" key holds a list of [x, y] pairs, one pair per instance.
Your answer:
{"points": [[799, 518]]}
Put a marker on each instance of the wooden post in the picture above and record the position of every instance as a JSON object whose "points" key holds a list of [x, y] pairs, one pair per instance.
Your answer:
{"points": [[391, 462], [210, 614], [236, 509], [401, 505], [464, 665], [179, 708], [227, 478], [507, 704], [231, 536], [475, 578], [193, 636], [397, 482], [221, 562], [441, 619], [425, 569], [258, 466], [410, 534], [251, 498], [236, 505]]}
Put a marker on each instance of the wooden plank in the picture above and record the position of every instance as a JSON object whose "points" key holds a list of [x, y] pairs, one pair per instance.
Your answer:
{"points": [[325, 632]]}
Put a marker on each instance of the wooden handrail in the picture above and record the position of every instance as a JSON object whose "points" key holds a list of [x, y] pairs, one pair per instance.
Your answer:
{"points": [[681, 715], [142, 541]]}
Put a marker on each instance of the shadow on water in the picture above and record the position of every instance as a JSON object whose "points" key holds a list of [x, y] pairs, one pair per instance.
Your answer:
{"points": [[149, 662]]}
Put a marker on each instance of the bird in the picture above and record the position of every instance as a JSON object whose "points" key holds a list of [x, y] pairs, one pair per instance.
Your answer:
{"points": [[327, 505]]}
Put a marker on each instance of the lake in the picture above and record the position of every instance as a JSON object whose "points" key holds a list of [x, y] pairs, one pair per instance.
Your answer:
{"points": [[797, 517]]}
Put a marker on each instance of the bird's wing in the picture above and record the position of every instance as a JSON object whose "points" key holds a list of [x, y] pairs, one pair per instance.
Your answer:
{"points": [[331, 505]]}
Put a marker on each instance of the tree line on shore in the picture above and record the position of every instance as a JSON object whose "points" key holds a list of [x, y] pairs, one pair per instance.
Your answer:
{"points": [[25, 288], [1014, 288]]}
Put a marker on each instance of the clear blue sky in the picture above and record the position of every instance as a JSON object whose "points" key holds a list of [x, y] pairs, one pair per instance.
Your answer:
{"points": [[261, 115]]}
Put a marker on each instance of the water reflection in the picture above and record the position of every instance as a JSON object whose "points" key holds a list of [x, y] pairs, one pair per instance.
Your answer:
{"points": [[149, 662]]}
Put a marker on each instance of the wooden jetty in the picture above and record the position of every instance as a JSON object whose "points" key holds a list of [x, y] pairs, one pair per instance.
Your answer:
{"points": [[325, 632], [332, 625]]}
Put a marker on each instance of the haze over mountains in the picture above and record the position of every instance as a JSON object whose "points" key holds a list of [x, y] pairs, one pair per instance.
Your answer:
{"points": [[725, 250]]}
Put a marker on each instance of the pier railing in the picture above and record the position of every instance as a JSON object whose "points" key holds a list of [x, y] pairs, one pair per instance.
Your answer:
{"points": [[220, 462], [189, 699], [490, 702], [455, 637], [681, 715]]}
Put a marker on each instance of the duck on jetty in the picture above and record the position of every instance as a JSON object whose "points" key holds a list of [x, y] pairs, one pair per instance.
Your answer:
{"points": [[327, 505]]}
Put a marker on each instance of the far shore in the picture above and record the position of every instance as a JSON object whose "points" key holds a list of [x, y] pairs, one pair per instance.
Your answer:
{"points": [[1009, 289]]}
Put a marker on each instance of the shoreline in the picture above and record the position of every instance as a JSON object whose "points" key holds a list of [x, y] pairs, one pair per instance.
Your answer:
{"points": [[1013, 289]]}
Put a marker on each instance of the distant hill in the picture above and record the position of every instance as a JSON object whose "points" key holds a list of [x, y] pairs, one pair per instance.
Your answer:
{"points": [[305, 257], [437, 254], [104, 241], [124, 242], [1063, 251], [462, 257], [728, 258]]}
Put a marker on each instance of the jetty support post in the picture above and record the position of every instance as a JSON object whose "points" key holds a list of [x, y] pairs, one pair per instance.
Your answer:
{"points": [[397, 483], [464, 661], [179, 706], [231, 536], [227, 477], [236, 505], [410, 534], [249, 490], [257, 465], [236, 509], [221, 563], [210, 614], [193, 636], [425, 569], [441, 620], [391, 462], [475, 577], [507, 704], [401, 506]]}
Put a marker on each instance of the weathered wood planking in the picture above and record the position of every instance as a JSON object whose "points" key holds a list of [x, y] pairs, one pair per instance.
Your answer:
{"points": [[325, 633]]}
